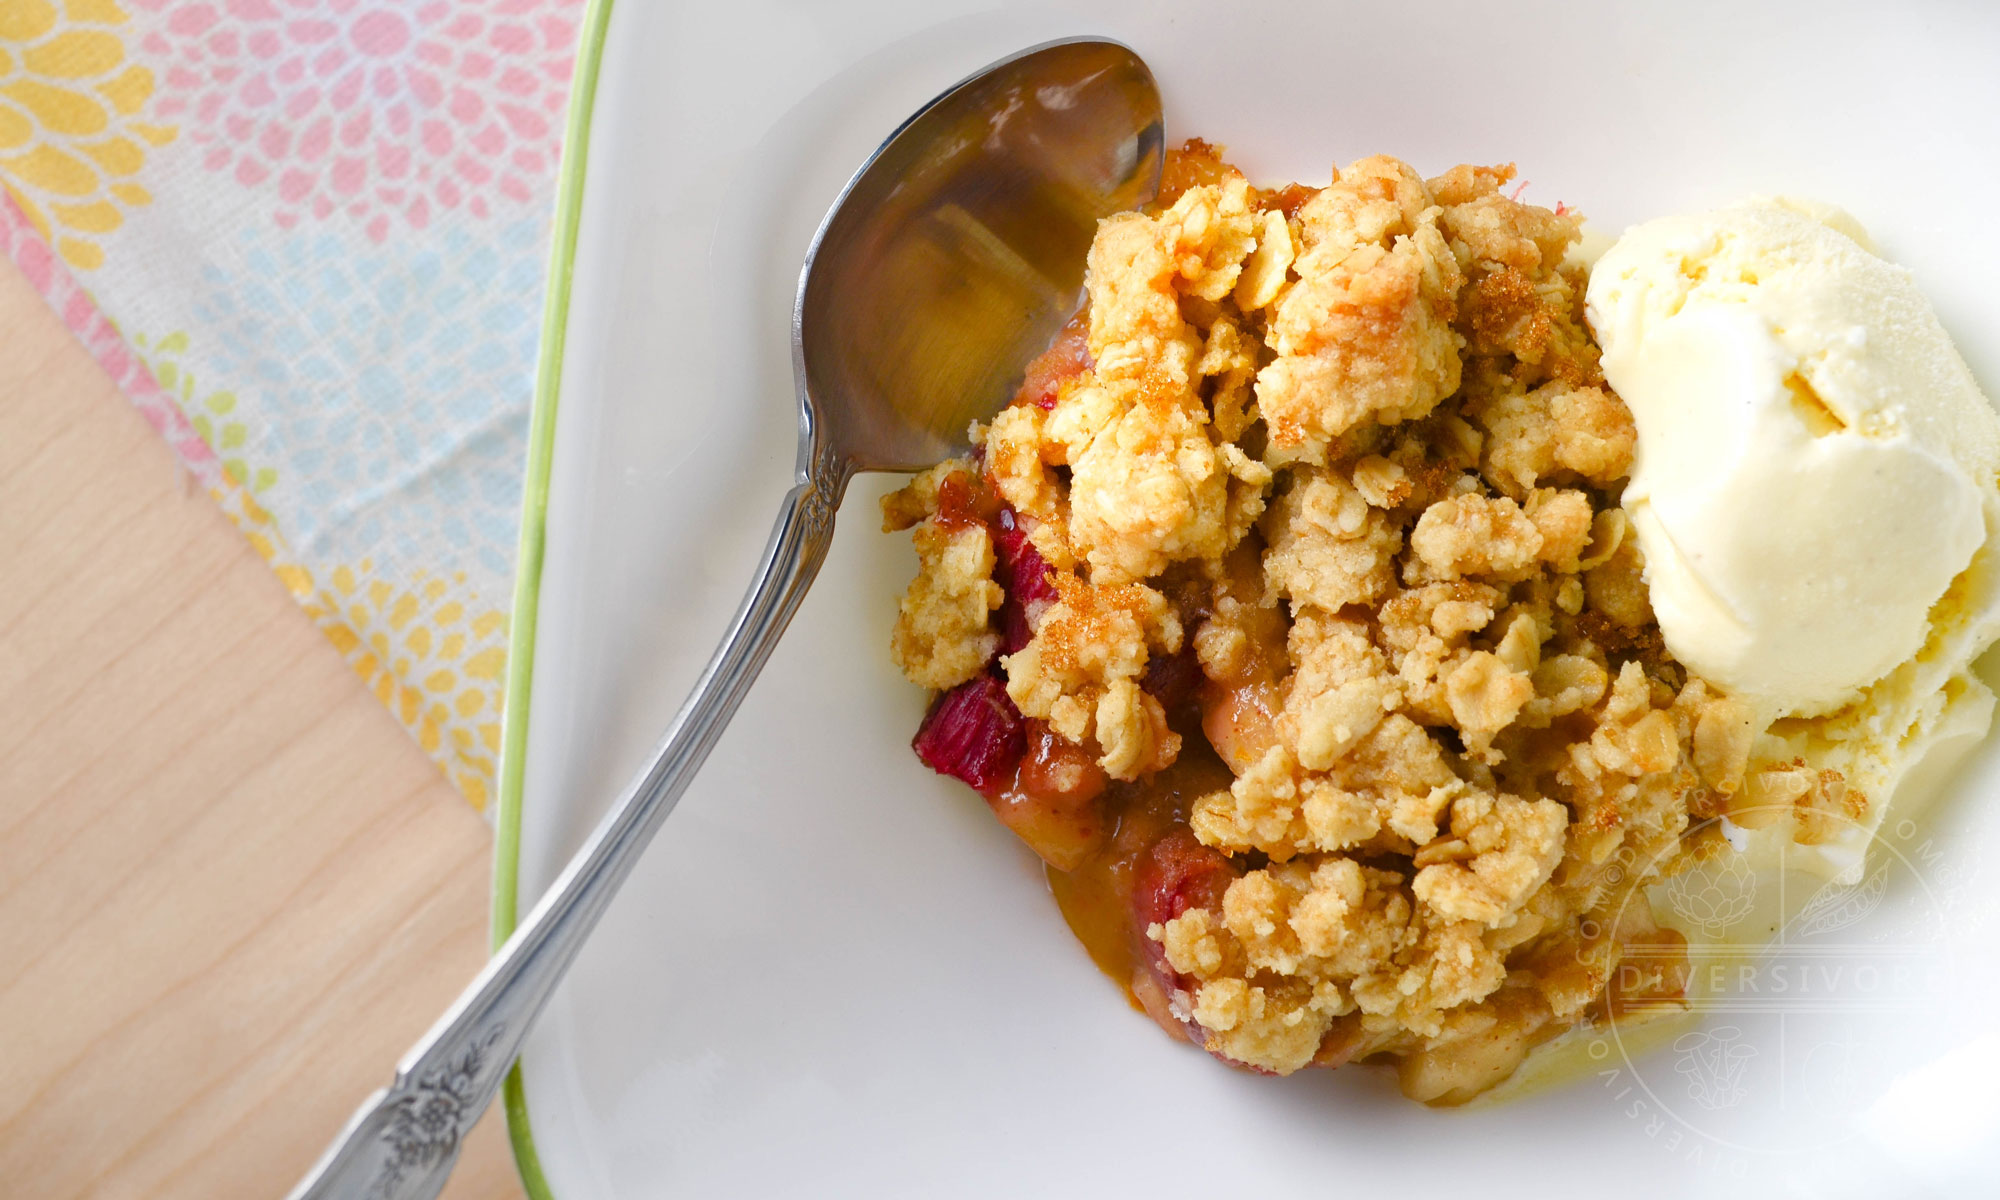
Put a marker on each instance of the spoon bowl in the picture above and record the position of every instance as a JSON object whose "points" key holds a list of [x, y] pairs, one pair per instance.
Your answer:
{"points": [[957, 251], [950, 259]]}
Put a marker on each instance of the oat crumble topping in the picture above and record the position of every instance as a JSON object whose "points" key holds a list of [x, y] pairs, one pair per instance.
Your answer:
{"points": [[1326, 486]]}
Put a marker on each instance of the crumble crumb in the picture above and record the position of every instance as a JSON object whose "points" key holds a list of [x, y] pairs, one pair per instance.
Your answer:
{"points": [[1365, 332], [1080, 672], [1473, 535], [942, 636], [1327, 546]]}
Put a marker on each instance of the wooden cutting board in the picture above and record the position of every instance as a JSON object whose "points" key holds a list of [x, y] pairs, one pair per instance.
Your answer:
{"points": [[232, 890]]}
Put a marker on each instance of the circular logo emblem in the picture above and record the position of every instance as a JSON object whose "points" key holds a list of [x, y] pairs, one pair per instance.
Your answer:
{"points": [[1792, 980]]}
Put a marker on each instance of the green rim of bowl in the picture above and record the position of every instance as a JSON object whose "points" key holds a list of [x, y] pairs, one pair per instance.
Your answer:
{"points": [[528, 558]]}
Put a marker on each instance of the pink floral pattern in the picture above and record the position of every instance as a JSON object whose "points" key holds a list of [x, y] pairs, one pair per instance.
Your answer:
{"points": [[382, 110], [20, 242], [348, 371]]}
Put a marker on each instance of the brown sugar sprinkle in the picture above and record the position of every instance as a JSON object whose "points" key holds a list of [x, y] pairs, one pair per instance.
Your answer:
{"points": [[1348, 632], [1503, 310], [1092, 617]]}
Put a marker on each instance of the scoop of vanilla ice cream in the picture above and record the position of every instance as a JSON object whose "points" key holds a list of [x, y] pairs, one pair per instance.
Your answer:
{"points": [[1815, 463], [1816, 492]]}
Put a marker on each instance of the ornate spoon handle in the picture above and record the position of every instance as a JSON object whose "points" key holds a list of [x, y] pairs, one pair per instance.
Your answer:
{"points": [[402, 1143]]}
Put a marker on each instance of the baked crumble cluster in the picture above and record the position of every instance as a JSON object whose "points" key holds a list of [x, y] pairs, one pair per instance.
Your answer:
{"points": [[1328, 480]]}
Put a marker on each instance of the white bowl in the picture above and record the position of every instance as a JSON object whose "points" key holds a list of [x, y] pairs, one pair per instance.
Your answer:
{"points": [[835, 973]]}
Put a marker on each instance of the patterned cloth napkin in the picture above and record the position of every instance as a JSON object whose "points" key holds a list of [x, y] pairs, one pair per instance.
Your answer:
{"points": [[308, 239]]}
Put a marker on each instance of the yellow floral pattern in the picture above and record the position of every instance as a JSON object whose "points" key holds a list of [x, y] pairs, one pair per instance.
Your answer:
{"points": [[72, 137], [437, 666], [212, 414]]}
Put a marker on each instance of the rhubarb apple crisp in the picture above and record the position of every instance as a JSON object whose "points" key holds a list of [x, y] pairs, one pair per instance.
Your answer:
{"points": [[1289, 614]]}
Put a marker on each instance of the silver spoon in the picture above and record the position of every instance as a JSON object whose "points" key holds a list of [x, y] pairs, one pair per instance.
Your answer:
{"points": [[952, 257]]}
